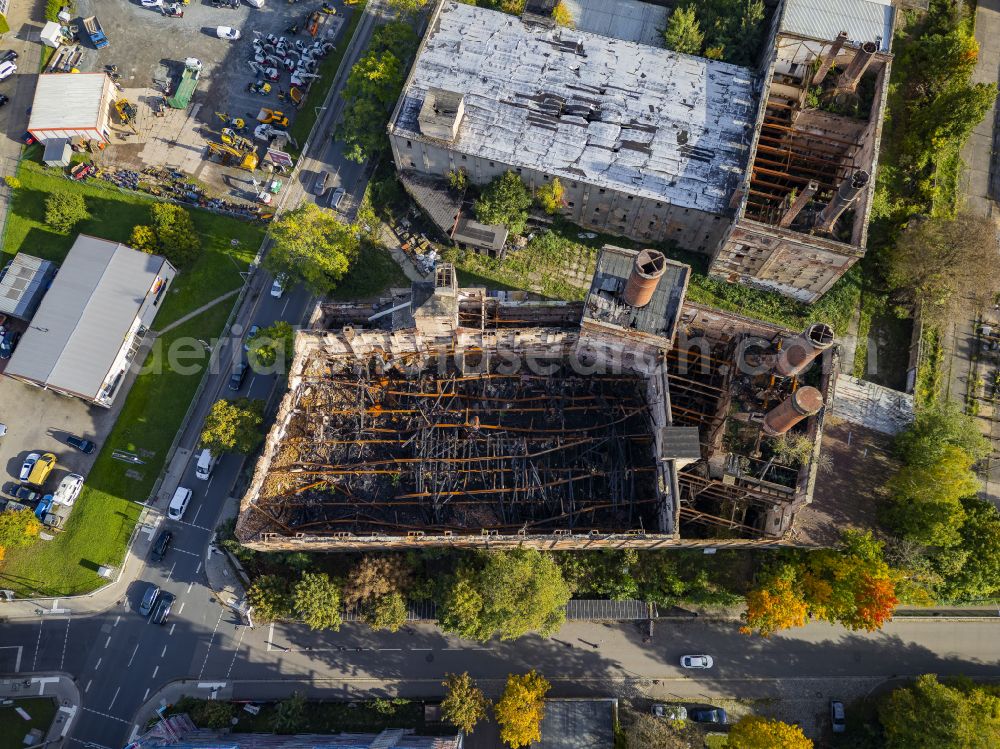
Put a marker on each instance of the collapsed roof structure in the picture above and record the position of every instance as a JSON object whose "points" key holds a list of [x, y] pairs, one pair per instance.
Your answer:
{"points": [[454, 416]]}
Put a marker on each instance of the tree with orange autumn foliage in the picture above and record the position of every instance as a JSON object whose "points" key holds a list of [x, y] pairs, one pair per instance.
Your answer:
{"points": [[520, 710], [774, 606]]}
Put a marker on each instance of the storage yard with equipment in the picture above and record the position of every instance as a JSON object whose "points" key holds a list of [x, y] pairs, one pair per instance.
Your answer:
{"points": [[183, 78]]}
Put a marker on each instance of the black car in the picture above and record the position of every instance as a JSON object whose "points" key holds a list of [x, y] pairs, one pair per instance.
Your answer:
{"points": [[149, 599], [8, 55], [25, 493], [239, 374], [160, 547], [4, 99], [8, 343], [707, 715], [84, 446], [162, 610]]}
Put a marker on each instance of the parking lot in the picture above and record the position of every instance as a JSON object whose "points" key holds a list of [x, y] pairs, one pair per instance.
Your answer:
{"points": [[149, 49]]}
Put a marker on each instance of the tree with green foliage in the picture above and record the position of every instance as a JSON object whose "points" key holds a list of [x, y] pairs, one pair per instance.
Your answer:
{"points": [[938, 260], [683, 34], [211, 713], [64, 210], [505, 200], [975, 574], [550, 196], [509, 593], [143, 239], [458, 180], [372, 88], [316, 601], [931, 714], [520, 710], [176, 237], [758, 732], [408, 6], [290, 714], [562, 16], [732, 30], [387, 612], [271, 598], [926, 498], [465, 704], [311, 246], [936, 427], [18, 528], [271, 344], [233, 426]]}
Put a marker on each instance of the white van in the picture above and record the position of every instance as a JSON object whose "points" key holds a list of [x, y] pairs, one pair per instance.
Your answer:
{"points": [[205, 464], [179, 503]]}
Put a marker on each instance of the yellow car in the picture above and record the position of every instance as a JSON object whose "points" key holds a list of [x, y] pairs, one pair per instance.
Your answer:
{"points": [[41, 470]]}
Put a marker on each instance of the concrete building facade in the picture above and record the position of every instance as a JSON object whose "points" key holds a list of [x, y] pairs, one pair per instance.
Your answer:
{"points": [[662, 147]]}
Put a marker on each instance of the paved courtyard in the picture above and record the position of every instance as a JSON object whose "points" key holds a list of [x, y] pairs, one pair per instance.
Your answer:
{"points": [[149, 50]]}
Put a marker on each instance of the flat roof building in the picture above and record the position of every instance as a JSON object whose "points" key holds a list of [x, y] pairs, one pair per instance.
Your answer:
{"points": [[72, 105], [91, 323], [23, 284]]}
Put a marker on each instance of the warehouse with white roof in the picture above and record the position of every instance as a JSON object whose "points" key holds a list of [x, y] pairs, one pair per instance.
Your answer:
{"points": [[91, 323], [72, 105]]}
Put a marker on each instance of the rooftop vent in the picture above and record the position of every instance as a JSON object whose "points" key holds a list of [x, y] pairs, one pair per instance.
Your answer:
{"points": [[441, 114], [646, 271]]}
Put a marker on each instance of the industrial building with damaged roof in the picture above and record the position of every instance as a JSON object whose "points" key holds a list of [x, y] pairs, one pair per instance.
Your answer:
{"points": [[767, 171], [579, 106], [453, 416]]}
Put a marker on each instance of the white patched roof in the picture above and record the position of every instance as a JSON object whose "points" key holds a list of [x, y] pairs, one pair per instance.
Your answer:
{"points": [[579, 106], [863, 20]]}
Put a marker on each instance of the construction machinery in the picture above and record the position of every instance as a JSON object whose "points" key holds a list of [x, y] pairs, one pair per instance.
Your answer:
{"points": [[231, 138], [234, 157], [187, 85], [128, 112], [272, 117], [236, 123]]}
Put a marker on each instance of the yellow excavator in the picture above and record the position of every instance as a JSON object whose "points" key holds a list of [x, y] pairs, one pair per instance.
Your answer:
{"points": [[231, 138], [243, 159], [238, 123], [128, 112]]}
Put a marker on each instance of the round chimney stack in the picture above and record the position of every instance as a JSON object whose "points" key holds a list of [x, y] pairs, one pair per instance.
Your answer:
{"points": [[646, 271], [798, 353], [804, 402]]}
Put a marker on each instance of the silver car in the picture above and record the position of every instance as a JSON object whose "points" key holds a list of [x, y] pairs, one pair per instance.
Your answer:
{"points": [[697, 661]]}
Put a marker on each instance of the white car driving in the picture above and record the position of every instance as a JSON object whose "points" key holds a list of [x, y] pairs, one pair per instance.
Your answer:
{"points": [[696, 661]]}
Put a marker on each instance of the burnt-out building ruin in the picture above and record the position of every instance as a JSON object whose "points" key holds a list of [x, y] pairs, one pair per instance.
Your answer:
{"points": [[447, 416], [766, 171]]}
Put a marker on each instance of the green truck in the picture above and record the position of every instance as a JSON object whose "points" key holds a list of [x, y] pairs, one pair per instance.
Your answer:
{"points": [[187, 85]]}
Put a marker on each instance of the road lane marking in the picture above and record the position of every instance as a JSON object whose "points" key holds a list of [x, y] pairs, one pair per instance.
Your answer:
{"points": [[87, 688], [198, 568], [252, 381], [270, 637], [117, 619], [34, 661], [236, 652], [210, 641], [282, 314], [155, 672], [133, 655], [172, 628], [62, 659], [98, 664], [181, 609], [164, 651], [135, 728], [17, 662], [170, 574], [185, 551], [197, 512], [115, 698], [190, 585], [41, 681], [145, 694], [107, 642], [103, 715]]}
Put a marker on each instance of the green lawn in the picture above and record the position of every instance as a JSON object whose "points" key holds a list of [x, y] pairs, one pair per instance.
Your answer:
{"points": [[306, 117], [13, 727], [113, 214], [106, 511]]}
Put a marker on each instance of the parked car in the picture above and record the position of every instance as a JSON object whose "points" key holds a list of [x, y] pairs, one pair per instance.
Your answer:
{"points": [[337, 197], [7, 69], [163, 607], [3, 429], [837, 716], [708, 715], [24, 493], [670, 712], [41, 469], [227, 32], [84, 446], [254, 330], [159, 549], [239, 374], [8, 343], [4, 99], [179, 503], [278, 287], [697, 661], [27, 465], [8, 55], [319, 186], [149, 600]]}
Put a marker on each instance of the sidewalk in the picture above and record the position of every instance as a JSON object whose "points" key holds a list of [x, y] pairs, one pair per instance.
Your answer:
{"points": [[225, 579], [60, 687]]}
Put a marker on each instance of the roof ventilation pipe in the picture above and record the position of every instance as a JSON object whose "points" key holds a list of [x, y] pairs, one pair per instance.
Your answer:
{"points": [[848, 81], [804, 402], [846, 194], [647, 269], [829, 58], [799, 352]]}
